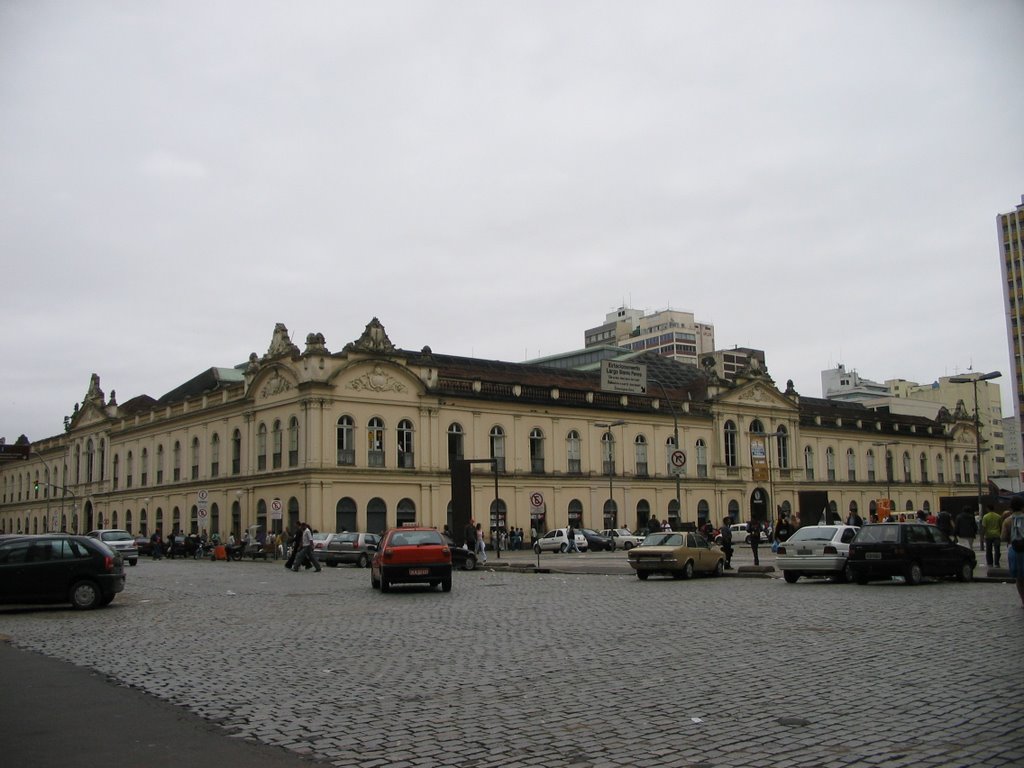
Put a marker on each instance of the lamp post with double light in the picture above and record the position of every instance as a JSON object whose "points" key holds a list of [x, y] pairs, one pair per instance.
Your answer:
{"points": [[973, 380], [610, 461]]}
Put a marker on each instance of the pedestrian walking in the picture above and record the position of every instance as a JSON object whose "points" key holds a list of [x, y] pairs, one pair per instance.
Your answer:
{"points": [[295, 546], [991, 531], [156, 545], [1014, 538], [726, 534], [469, 532], [966, 526], [306, 551], [481, 545], [570, 535], [754, 534]]}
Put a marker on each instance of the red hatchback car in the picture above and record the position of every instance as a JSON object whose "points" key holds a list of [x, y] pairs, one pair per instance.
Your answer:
{"points": [[411, 555]]}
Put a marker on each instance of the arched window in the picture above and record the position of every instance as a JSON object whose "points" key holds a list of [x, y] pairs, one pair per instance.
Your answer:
{"points": [[375, 443], [376, 516], [574, 513], [536, 451], [871, 465], [129, 469], [117, 471], [277, 444], [734, 510], [809, 463], [640, 448], [889, 470], [345, 515], [103, 461], [346, 442], [176, 460], [78, 468], [236, 452], [940, 468], [782, 446], [956, 468], [293, 441], [456, 444], [924, 467], [406, 447], [144, 467], [405, 512], [608, 453], [731, 447], [906, 466], [703, 512], [701, 449], [88, 461], [195, 458], [128, 520], [830, 463], [757, 427], [851, 465], [159, 464], [573, 453], [215, 455], [261, 447], [974, 466], [498, 447]]}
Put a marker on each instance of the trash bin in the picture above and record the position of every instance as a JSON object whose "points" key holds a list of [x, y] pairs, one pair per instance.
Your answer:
{"points": [[220, 552]]}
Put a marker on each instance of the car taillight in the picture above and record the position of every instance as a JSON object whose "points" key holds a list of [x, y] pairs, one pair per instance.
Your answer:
{"points": [[108, 563], [830, 550], [780, 551]]}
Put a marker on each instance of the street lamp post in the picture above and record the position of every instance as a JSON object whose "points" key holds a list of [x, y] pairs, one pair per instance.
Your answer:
{"points": [[611, 456], [675, 441], [973, 379]]}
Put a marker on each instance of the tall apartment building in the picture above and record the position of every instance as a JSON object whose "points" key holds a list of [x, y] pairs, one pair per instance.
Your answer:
{"points": [[1010, 231], [669, 333]]}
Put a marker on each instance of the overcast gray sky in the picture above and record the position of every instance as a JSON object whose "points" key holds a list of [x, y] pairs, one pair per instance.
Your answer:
{"points": [[818, 179]]}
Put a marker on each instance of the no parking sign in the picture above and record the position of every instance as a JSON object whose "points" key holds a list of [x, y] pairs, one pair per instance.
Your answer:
{"points": [[276, 509]]}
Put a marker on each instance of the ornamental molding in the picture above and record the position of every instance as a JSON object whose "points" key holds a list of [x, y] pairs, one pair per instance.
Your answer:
{"points": [[377, 380], [276, 385]]}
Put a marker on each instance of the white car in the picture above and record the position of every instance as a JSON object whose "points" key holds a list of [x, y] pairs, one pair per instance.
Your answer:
{"points": [[816, 550], [622, 537], [557, 540], [740, 535], [119, 540]]}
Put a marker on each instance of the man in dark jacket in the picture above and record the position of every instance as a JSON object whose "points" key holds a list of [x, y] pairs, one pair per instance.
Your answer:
{"points": [[726, 533], [966, 526]]}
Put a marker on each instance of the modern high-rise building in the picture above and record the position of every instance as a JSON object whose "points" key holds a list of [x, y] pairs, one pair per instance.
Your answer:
{"points": [[1010, 230], [668, 332]]}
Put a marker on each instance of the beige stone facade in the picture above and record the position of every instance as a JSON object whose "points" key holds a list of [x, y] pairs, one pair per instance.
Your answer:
{"points": [[364, 437]]}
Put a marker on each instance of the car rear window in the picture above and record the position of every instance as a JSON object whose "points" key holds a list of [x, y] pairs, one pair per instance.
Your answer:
{"points": [[814, 533], [416, 538], [873, 534], [664, 540], [118, 536]]}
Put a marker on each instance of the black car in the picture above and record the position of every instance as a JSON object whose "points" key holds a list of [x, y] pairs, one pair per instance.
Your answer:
{"points": [[59, 568], [911, 550], [596, 542], [462, 559]]}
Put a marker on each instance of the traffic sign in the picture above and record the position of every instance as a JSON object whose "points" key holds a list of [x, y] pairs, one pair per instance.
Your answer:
{"points": [[678, 461], [276, 509], [536, 499]]}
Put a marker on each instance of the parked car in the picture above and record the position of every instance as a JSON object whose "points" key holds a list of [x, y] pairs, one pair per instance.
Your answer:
{"points": [[597, 542], [816, 550], [120, 541], [557, 540], [411, 555], [462, 559], [911, 550], [59, 568], [740, 535], [350, 547], [679, 554], [622, 537]]}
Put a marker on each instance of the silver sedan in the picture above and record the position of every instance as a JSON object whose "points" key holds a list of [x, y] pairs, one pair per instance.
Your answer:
{"points": [[816, 550]]}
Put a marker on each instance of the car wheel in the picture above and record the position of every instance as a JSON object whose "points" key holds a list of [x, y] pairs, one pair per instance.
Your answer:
{"points": [[846, 575], [914, 574], [563, 548], [385, 585], [791, 577], [628, 545], [966, 572], [536, 549], [470, 564], [85, 595], [363, 561], [446, 584], [688, 570], [134, 561], [642, 575]]}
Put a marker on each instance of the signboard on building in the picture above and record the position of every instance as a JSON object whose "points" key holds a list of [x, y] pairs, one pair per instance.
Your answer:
{"points": [[758, 458], [628, 378]]}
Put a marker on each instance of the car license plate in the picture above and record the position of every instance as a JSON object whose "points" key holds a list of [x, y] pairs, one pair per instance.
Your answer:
{"points": [[803, 551], [872, 555], [418, 571]]}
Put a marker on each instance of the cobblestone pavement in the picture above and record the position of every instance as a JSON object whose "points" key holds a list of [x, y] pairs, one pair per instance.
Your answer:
{"points": [[563, 669]]}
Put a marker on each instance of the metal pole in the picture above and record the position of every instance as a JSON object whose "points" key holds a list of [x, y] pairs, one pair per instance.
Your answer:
{"points": [[675, 440]]}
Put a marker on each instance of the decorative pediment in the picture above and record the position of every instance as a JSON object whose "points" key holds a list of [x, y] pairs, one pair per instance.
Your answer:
{"points": [[276, 384], [377, 380], [374, 339]]}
